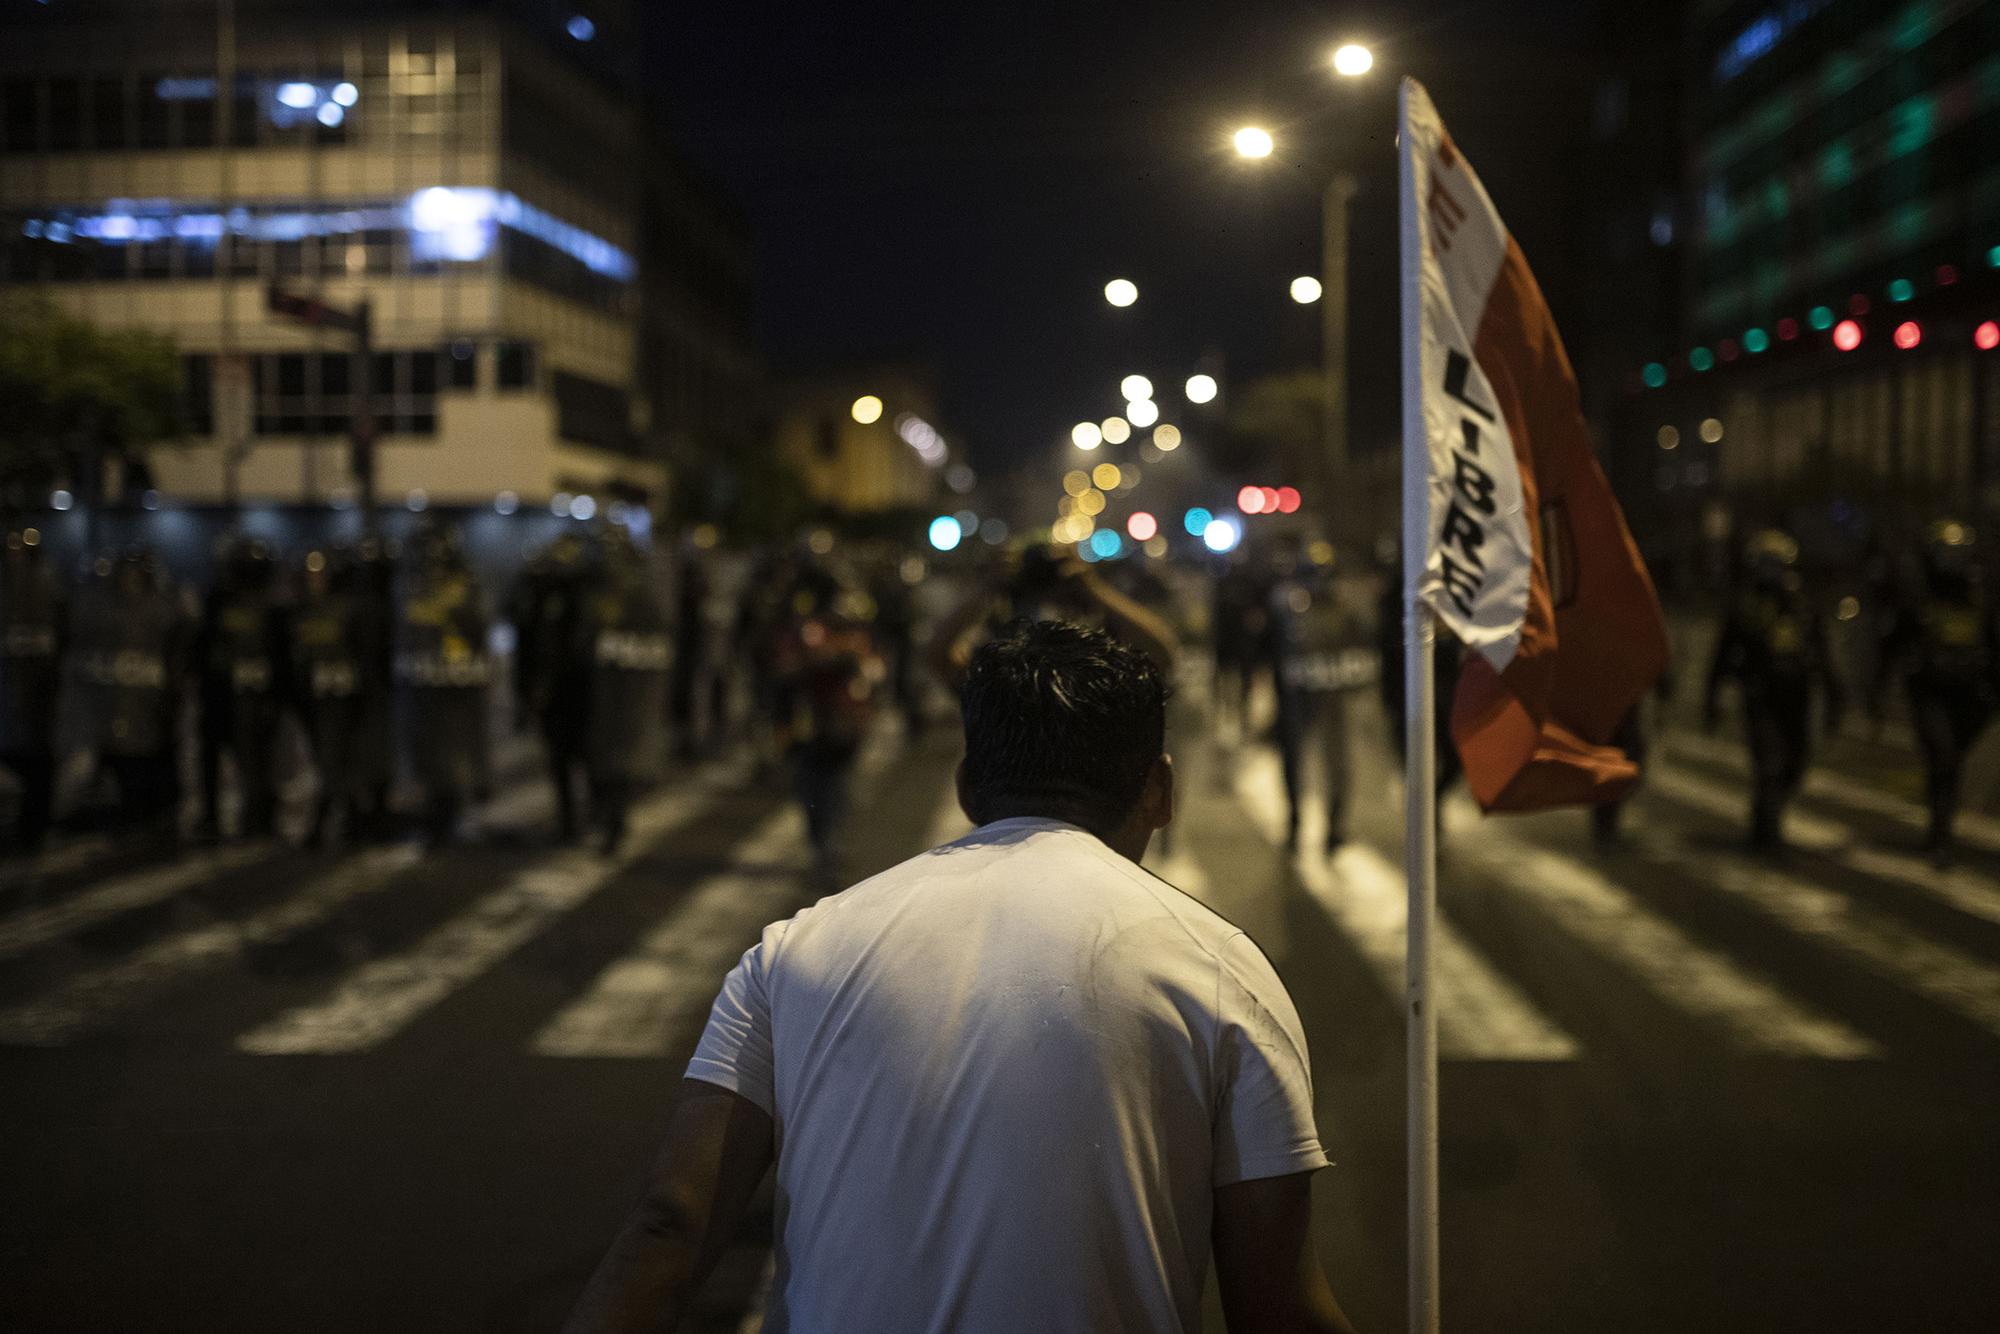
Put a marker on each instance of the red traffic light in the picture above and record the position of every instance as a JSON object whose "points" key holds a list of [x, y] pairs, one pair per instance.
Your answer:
{"points": [[1987, 336], [1288, 500], [1908, 334], [1250, 500], [1141, 526], [1847, 335]]}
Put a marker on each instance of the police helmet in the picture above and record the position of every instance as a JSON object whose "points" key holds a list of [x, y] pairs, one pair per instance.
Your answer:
{"points": [[1951, 547], [1771, 555]]}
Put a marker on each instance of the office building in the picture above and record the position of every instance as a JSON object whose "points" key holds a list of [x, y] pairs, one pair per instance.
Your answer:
{"points": [[559, 307]]}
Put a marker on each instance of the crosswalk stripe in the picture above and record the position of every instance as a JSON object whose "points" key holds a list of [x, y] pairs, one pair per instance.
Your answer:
{"points": [[382, 997], [90, 997], [72, 855], [33, 927], [1482, 1016], [641, 1003], [1966, 891], [1758, 1017], [1973, 829], [1883, 943]]}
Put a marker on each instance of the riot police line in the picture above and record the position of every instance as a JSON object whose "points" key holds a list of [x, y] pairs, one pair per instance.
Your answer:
{"points": [[374, 653], [1931, 632]]}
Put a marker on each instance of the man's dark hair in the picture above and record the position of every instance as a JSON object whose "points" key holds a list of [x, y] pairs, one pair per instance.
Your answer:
{"points": [[1060, 720]]}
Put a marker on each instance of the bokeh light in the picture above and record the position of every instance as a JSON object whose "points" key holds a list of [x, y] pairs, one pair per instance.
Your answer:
{"points": [[1141, 526], [1135, 387], [1847, 335], [1076, 481], [1104, 476], [1086, 435], [1305, 290], [1142, 411], [945, 532], [1116, 430], [867, 409], [1196, 521], [1166, 437], [1201, 388], [1121, 291], [1251, 141], [1221, 534]]}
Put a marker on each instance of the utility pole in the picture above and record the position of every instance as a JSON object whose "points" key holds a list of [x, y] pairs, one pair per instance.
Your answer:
{"points": [[1336, 481]]}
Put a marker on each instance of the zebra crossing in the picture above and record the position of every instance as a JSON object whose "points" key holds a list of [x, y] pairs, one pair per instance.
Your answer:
{"points": [[646, 1002]]}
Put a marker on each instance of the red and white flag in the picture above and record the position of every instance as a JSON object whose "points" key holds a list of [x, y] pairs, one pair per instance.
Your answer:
{"points": [[1530, 563]]}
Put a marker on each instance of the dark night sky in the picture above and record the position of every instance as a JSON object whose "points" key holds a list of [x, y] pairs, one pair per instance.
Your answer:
{"points": [[953, 184]]}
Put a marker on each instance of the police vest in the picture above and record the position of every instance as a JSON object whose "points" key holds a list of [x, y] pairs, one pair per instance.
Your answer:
{"points": [[1953, 639]]}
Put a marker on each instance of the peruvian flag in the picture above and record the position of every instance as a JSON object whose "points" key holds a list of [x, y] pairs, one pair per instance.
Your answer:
{"points": [[1530, 563]]}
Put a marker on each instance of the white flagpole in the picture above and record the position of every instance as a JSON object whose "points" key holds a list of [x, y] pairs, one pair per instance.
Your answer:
{"points": [[1420, 766]]}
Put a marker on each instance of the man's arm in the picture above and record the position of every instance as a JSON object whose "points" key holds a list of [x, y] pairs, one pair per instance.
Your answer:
{"points": [[718, 1146], [1265, 1265]]}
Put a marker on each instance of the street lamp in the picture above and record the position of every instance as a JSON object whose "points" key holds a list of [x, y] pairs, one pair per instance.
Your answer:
{"points": [[1253, 142], [1305, 289], [1121, 291], [1201, 388], [1352, 60], [866, 409]]}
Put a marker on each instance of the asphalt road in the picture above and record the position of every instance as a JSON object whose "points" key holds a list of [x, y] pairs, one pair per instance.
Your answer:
{"points": [[1684, 1088]]}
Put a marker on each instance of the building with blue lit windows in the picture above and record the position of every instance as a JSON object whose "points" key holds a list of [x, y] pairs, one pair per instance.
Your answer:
{"points": [[558, 307], [1837, 246]]}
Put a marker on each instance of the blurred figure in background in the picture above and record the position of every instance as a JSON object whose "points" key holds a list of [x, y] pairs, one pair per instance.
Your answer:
{"points": [[1773, 646], [443, 662], [691, 596], [896, 630], [762, 614], [1045, 583], [551, 672], [130, 661], [34, 625], [1239, 625], [240, 655], [336, 640], [827, 671], [1942, 639], [628, 652], [1320, 652]]}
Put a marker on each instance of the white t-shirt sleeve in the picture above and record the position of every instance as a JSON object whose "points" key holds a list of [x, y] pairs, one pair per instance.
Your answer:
{"points": [[1264, 1112], [735, 1049]]}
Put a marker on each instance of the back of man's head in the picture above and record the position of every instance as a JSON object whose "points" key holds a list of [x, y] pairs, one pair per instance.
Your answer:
{"points": [[1060, 720]]}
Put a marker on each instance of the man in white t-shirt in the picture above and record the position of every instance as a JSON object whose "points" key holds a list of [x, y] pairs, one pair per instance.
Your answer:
{"points": [[1016, 1084]]}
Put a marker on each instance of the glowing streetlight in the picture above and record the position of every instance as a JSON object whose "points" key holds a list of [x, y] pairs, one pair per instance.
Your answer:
{"points": [[1201, 388], [1305, 290], [1121, 291], [1116, 430], [1251, 141], [1086, 435], [1142, 412], [867, 409], [1166, 437], [1351, 60], [1135, 387]]}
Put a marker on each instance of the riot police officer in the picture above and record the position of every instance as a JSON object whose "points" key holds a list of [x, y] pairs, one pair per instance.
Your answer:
{"points": [[624, 641], [1943, 641], [443, 662], [129, 662], [551, 673], [336, 640], [33, 627], [240, 655], [1773, 645], [1320, 652]]}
